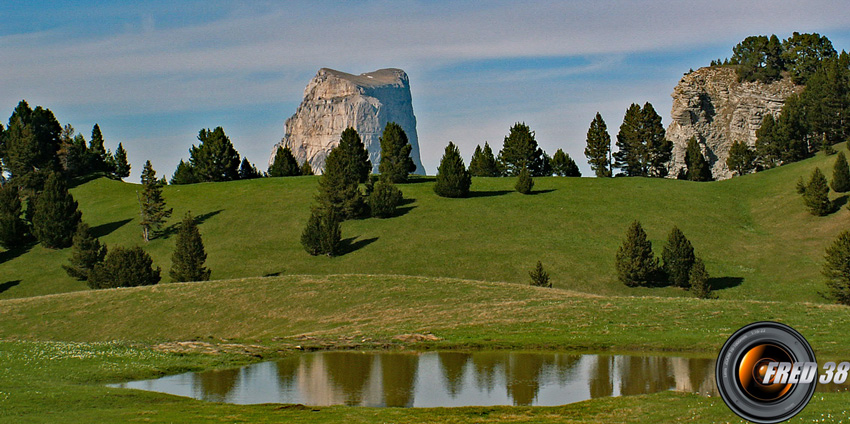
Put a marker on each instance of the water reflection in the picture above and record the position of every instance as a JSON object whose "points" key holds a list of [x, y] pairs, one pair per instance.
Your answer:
{"points": [[442, 379]]}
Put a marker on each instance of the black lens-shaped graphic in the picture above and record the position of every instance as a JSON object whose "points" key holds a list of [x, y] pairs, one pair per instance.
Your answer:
{"points": [[743, 362]]}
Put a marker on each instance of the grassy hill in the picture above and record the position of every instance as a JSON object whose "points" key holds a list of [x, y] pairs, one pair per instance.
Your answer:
{"points": [[756, 237]]}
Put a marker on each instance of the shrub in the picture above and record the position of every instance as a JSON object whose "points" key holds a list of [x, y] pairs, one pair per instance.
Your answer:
{"points": [[539, 277], [384, 199], [453, 180], [124, 267], [86, 253], [816, 194], [836, 269], [187, 261], [636, 265], [678, 258], [698, 280], [524, 183], [322, 235]]}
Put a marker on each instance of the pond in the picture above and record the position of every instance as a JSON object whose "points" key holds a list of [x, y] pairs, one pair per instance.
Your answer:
{"points": [[441, 379]]}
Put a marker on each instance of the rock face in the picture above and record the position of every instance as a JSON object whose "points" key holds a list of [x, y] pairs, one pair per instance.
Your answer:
{"points": [[334, 101], [713, 106]]}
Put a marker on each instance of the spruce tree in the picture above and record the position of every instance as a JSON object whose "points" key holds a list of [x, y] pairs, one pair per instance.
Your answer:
{"points": [[339, 186], [767, 144], [247, 171], [659, 149], [520, 150], [636, 265], [322, 235], [598, 150], [678, 258], [86, 252], [741, 160], [284, 164], [836, 269], [13, 229], [396, 162], [384, 198], [214, 159], [563, 165], [698, 169], [151, 203], [841, 174], [20, 152], [97, 151], [306, 168], [453, 180], [124, 267], [816, 194], [539, 277], [631, 153], [483, 163], [187, 261], [184, 174], [524, 182], [56, 216], [121, 167], [355, 158], [698, 280]]}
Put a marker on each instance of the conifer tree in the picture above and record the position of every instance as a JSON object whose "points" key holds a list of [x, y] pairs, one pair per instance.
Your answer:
{"points": [[816, 194], [124, 267], [384, 198], [698, 280], [396, 162], [187, 261], [284, 164], [184, 174], [355, 157], [524, 182], [152, 204], [453, 180], [631, 153], [767, 143], [698, 169], [121, 168], [841, 174], [678, 258], [322, 235], [56, 216], [86, 252], [214, 159], [31, 143], [20, 152], [247, 171], [563, 165], [13, 229], [741, 160], [836, 268], [636, 265], [483, 163], [520, 151], [539, 277], [598, 150], [659, 149], [97, 151], [339, 186], [306, 168]]}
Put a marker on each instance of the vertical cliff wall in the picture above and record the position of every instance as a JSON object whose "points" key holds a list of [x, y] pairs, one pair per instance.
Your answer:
{"points": [[334, 101]]}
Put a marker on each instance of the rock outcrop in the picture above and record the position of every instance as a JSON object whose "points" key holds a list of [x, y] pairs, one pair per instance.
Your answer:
{"points": [[711, 105], [334, 101]]}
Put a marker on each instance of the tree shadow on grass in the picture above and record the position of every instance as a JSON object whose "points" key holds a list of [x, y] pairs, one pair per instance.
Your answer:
{"points": [[106, 229], [350, 245], [10, 254], [721, 283], [8, 285], [273, 274], [536, 192], [417, 179], [838, 203], [490, 193], [199, 219]]}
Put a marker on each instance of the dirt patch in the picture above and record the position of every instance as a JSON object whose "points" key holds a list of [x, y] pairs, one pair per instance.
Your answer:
{"points": [[416, 337], [210, 348]]}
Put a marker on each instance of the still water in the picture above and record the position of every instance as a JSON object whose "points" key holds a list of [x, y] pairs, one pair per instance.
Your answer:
{"points": [[434, 379]]}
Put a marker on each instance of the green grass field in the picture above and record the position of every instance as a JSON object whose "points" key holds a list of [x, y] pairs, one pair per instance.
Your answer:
{"points": [[754, 233]]}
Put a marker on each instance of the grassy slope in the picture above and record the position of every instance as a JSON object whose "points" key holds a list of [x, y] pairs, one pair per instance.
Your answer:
{"points": [[753, 232]]}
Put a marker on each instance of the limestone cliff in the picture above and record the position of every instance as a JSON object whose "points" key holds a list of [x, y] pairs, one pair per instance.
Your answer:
{"points": [[712, 105], [334, 101]]}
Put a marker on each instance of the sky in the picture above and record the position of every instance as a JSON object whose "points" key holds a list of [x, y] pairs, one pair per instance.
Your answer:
{"points": [[153, 73]]}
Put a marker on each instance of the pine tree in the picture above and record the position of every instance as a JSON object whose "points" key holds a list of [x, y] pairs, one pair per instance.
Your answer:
{"points": [[563, 165], [339, 186], [741, 160], [636, 265], [659, 149], [539, 277], [97, 151], [56, 216], [841, 174], [520, 151], [396, 162], [124, 267], [355, 158], [284, 164], [767, 145], [453, 180], [483, 163], [86, 253], [836, 269], [598, 150], [187, 261], [214, 159], [20, 152], [151, 203], [246, 171], [121, 167], [322, 235], [816, 194], [524, 182], [698, 169], [384, 198], [13, 229], [678, 258], [631, 153], [698, 280], [184, 174], [306, 168]]}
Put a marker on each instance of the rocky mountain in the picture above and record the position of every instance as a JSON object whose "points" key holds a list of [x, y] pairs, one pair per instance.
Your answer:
{"points": [[334, 101], [713, 106]]}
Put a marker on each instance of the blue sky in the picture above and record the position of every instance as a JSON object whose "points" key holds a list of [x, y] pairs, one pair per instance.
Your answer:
{"points": [[152, 74]]}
